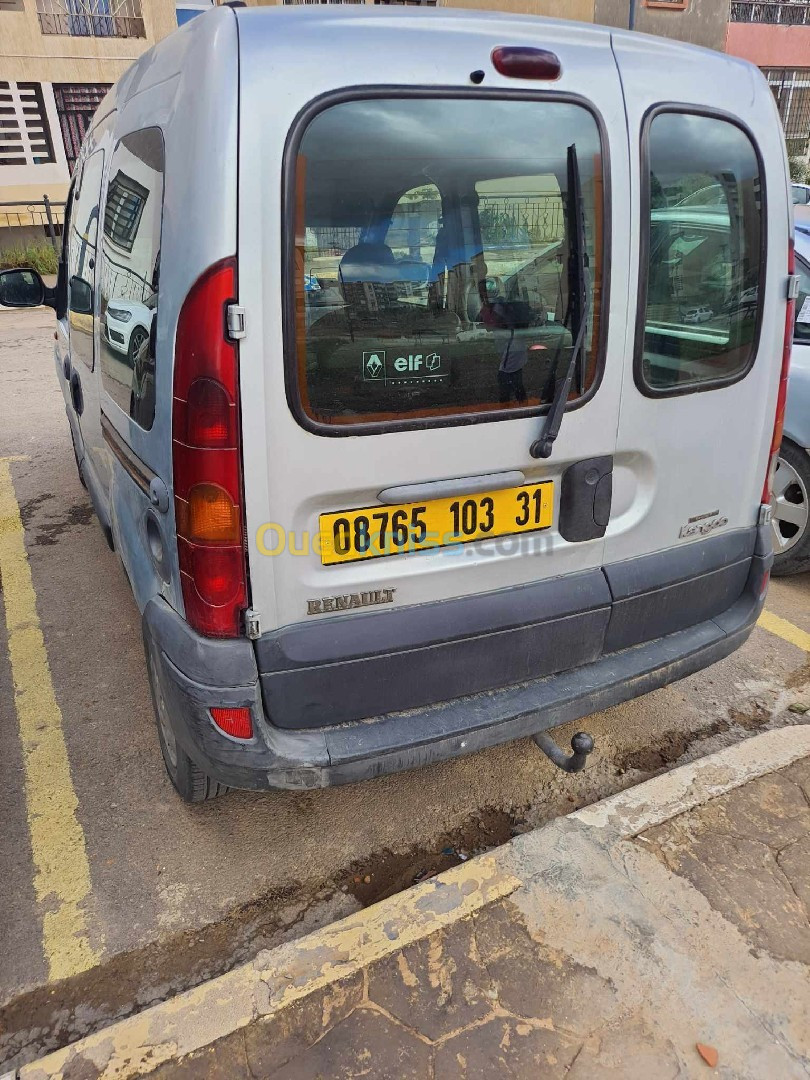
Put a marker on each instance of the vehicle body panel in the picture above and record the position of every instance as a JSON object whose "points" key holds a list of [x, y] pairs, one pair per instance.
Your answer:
{"points": [[162, 90], [300, 475], [681, 457], [464, 647], [797, 416]]}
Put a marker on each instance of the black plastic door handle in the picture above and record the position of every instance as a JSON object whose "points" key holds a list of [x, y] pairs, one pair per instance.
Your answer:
{"points": [[586, 491]]}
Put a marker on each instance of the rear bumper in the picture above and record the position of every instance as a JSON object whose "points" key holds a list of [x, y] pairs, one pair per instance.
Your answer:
{"points": [[197, 673]]}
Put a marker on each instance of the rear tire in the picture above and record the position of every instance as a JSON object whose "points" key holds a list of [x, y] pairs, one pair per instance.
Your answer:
{"points": [[791, 507], [188, 779]]}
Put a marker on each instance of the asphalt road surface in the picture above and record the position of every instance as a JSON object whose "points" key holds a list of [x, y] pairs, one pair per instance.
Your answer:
{"points": [[113, 893]]}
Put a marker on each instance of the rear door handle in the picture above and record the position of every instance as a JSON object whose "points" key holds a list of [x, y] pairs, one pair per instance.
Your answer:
{"points": [[76, 395], [586, 492], [444, 489]]}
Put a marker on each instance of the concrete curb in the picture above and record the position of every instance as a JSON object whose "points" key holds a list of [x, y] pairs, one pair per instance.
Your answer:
{"points": [[298, 969], [664, 797]]}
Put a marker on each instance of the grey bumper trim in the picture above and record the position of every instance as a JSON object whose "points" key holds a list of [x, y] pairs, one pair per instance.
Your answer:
{"points": [[360, 750], [225, 663]]}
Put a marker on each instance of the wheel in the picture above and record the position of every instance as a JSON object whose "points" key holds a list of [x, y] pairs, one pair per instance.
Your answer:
{"points": [[791, 511], [189, 781], [137, 340]]}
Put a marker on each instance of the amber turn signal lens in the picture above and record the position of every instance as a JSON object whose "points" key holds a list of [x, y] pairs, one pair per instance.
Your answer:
{"points": [[212, 517]]}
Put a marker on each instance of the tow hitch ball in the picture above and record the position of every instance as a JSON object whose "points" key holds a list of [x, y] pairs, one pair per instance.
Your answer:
{"points": [[581, 744]]}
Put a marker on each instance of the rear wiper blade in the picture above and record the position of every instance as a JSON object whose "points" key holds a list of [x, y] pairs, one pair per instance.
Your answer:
{"points": [[576, 316]]}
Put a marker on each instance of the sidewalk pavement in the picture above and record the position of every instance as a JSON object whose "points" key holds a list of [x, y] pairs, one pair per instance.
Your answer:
{"points": [[608, 944]]}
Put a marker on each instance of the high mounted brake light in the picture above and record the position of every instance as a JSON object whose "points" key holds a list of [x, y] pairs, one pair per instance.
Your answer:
{"points": [[206, 454], [525, 62]]}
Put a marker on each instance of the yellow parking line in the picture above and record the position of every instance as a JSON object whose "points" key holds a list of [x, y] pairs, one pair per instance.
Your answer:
{"points": [[784, 629], [61, 870]]}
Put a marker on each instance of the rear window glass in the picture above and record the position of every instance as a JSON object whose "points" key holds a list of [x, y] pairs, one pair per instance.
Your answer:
{"points": [[702, 276], [437, 270]]}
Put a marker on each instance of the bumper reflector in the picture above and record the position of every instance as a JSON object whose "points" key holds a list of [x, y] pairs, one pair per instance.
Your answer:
{"points": [[237, 723]]}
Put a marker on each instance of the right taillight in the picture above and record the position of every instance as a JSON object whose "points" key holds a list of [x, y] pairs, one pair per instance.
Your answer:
{"points": [[206, 455], [781, 399]]}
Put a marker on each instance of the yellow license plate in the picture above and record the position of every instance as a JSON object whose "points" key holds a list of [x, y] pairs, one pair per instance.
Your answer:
{"points": [[373, 531]]}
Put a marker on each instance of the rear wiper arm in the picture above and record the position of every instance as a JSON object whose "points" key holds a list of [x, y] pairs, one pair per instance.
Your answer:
{"points": [[542, 447], [576, 315]]}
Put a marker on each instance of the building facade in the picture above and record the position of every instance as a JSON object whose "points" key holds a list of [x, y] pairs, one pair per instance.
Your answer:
{"points": [[775, 35], [59, 57], [700, 22], [57, 60]]}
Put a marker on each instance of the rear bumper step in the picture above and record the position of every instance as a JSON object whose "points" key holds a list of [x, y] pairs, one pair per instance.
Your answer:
{"points": [[198, 673]]}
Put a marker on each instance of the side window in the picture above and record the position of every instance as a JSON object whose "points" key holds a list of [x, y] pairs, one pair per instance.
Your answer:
{"points": [[801, 331], [130, 268], [701, 275], [81, 257]]}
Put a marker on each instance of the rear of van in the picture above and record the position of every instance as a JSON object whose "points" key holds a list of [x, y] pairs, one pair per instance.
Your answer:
{"points": [[482, 409]]}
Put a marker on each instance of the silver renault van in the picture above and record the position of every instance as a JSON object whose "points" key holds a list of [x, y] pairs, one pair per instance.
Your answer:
{"points": [[380, 356]]}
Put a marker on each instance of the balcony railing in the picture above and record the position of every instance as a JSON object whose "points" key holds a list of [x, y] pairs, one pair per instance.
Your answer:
{"points": [[91, 18], [774, 12], [50, 215]]}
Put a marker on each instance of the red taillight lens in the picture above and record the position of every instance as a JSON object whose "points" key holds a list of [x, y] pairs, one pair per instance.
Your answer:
{"points": [[210, 416], [781, 399], [237, 723], [216, 574], [206, 454], [525, 62]]}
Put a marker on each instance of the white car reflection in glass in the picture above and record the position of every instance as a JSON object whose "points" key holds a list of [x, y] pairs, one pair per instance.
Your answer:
{"points": [[697, 315], [126, 328]]}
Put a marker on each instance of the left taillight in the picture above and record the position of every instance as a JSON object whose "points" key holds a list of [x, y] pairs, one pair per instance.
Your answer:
{"points": [[206, 448], [781, 399]]}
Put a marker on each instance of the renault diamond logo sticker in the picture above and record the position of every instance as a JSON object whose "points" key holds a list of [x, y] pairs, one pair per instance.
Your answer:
{"points": [[374, 365], [408, 370]]}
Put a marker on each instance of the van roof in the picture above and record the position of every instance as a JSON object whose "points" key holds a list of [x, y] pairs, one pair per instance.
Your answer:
{"points": [[284, 25], [451, 21]]}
